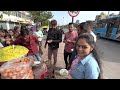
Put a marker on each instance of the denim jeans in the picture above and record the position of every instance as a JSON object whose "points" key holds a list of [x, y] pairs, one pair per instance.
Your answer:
{"points": [[36, 56]]}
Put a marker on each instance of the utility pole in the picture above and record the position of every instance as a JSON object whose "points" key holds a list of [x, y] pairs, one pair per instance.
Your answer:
{"points": [[108, 13]]}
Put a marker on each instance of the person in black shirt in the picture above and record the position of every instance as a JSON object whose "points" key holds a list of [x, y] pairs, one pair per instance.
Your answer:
{"points": [[54, 37]]}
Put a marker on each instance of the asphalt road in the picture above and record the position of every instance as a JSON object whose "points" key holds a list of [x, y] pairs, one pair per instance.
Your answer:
{"points": [[110, 50], [110, 57]]}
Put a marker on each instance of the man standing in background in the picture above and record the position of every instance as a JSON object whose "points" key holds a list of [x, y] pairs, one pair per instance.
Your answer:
{"points": [[69, 40], [54, 37], [39, 34]]}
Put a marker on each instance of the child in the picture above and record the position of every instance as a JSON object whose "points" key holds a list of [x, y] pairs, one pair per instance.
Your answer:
{"points": [[2, 36], [11, 32], [8, 40]]}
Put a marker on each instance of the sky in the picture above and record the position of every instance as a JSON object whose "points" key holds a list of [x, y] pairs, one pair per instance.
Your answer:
{"points": [[63, 17]]}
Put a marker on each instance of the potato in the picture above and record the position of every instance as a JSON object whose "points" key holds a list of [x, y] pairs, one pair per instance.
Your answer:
{"points": [[14, 77], [8, 78], [8, 70], [14, 73], [5, 74], [30, 71], [10, 74], [2, 70], [19, 69]]}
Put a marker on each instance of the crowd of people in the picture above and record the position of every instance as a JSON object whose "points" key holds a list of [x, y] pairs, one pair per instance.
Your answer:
{"points": [[21, 35], [80, 47]]}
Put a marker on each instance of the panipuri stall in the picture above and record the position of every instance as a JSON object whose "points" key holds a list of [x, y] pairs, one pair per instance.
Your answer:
{"points": [[15, 64]]}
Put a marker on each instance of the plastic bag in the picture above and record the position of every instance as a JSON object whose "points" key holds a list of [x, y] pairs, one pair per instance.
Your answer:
{"points": [[17, 69], [40, 71]]}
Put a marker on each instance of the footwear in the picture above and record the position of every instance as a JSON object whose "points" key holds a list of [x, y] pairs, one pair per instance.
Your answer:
{"points": [[53, 74], [67, 67]]}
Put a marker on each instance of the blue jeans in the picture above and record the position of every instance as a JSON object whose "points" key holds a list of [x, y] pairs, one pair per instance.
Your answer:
{"points": [[36, 56]]}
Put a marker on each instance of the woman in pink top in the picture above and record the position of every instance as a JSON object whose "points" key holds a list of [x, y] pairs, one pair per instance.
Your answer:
{"points": [[69, 40]]}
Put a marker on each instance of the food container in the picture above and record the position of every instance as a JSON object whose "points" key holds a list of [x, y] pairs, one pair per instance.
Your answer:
{"points": [[11, 53], [20, 68], [39, 71]]}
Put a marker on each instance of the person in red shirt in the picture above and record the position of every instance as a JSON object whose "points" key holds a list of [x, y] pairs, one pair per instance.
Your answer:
{"points": [[29, 41]]}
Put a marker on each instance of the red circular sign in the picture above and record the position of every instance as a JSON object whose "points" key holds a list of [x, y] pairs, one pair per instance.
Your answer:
{"points": [[73, 13]]}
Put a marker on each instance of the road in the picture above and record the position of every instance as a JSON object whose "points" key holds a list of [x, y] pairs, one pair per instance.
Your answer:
{"points": [[110, 57]]}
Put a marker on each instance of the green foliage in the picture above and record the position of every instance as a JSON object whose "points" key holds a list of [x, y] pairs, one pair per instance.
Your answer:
{"points": [[7, 12], [41, 16]]}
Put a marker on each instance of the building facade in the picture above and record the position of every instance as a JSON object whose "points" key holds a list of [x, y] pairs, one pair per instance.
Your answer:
{"points": [[9, 19]]}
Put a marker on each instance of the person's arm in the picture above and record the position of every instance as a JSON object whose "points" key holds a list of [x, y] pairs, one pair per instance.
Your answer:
{"points": [[65, 41], [35, 38], [41, 34], [91, 71], [46, 40], [74, 41], [17, 41]]}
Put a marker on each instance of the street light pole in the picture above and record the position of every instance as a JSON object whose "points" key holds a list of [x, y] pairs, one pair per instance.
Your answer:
{"points": [[108, 13]]}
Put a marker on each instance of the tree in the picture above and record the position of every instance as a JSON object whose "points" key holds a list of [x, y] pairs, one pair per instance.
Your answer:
{"points": [[77, 21], [7, 12], [102, 13], [41, 16]]}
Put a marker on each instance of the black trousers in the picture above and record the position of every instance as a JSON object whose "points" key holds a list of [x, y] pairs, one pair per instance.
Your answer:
{"points": [[66, 55]]}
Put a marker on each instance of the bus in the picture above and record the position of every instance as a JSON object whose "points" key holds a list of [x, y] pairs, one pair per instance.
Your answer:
{"points": [[108, 28]]}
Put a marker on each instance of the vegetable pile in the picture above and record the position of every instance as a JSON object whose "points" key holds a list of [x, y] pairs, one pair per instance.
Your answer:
{"points": [[9, 53]]}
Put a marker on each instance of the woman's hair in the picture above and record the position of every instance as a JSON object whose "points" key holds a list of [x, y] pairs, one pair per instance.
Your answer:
{"points": [[90, 40], [24, 32], [81, 26], [90, 24], [11, 30], [4, 31], [8, 35], [23, 26], [15, 28], [71, 23]]}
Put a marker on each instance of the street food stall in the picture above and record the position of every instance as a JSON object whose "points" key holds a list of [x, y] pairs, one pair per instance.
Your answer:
{"points": [[15, 64]]}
